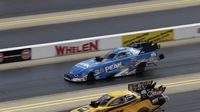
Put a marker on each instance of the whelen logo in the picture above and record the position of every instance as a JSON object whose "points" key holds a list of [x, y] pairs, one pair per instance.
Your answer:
{"points": [[63, 50]]}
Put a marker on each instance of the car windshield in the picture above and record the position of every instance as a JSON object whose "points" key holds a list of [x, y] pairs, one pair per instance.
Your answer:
{"points": [[109, 55], [104, 100]]}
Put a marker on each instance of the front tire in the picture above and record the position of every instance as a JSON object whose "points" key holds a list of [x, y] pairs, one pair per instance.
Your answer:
{"points": [[140, 68], [90, 77], [144, 109]]}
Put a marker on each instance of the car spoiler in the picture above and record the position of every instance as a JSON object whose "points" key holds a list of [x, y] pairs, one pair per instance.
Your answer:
{"points": [[148, 85], [145, 46]]}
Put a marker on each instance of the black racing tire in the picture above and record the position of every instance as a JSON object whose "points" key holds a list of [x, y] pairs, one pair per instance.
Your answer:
{"points": [[140, 68], [144, 109], [161, 56], [90, 77], [161, 100]]}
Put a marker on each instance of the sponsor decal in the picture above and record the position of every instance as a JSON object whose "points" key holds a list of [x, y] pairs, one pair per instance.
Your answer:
{"points": [[98, 71], [153, 54], [113, 66], [157, 36], [26, 54], [81, 47], [15, 56]]}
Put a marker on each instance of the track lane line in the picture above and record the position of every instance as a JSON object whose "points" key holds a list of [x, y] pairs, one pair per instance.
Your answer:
{"points": [[85, 14], [82, 98], [55, 101]]}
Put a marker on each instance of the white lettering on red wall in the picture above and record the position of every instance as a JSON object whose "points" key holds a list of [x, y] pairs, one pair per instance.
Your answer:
{"points": [[63, 50]]}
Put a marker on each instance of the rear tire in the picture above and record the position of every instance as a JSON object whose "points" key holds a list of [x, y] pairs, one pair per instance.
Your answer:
{"points": [[161, 56], [140, 68]]}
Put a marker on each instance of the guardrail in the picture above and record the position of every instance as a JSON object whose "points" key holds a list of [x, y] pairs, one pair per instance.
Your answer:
{"points": [[99, 43]]}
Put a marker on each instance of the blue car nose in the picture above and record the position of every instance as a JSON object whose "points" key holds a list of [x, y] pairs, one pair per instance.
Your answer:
{"points": [[66, 74]]}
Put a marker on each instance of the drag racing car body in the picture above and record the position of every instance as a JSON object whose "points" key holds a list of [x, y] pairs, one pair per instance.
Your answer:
{"points": [[118, 62], [141, 97]]}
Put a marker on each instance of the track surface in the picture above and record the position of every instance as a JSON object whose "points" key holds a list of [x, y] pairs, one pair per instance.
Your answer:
{"points": [[83, 29], [48, 79], [181, 102], [11, 8], [184, 102]]}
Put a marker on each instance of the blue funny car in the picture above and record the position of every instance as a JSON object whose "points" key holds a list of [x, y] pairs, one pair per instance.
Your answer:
{"points": [[118, 62]]}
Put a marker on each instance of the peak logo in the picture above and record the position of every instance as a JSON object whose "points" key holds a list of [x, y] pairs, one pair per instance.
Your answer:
{"points": [[80, 47], [113, 66]]}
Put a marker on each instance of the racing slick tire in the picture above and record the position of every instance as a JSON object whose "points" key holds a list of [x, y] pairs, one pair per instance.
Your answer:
{"points": [[161, 56], [90, 77], [161, 100], [144, 109], [140, 68]]}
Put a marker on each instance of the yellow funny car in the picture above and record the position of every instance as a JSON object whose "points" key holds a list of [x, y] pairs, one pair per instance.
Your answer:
{"points": [[140, 97]]}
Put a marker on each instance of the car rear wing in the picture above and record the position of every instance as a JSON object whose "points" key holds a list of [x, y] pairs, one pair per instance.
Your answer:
{"points": [[148, 86], [145, 46]]}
